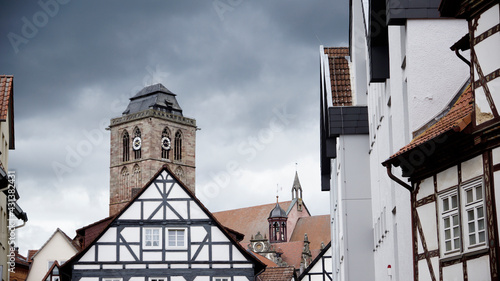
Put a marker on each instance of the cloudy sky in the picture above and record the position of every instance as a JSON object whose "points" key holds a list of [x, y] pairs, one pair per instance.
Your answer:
{"points": [[247, 71]]}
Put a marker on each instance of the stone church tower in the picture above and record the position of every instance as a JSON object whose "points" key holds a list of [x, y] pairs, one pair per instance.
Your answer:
{"points": [[151, 132]]}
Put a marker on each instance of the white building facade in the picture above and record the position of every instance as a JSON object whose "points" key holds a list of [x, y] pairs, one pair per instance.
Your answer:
{"points": [[345, 170], [401, 59]]}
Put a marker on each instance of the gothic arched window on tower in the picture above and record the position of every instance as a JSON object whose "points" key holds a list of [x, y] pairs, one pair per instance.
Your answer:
{"points": [[165, 144], [124, 185], [137, 181], [178, 146], [125, 146], [137, 143]]}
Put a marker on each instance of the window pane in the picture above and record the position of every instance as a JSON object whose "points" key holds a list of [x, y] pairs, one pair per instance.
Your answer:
{"points": [[482, 237], [446, 204], [456, 243], [472, 227], [455, 232], [454, 201], [469, 196], [470, 215], [448, 245], [480, 213], [447, 234], [479, 193], [480, 224], [455, 220], [472, 239], [447, 223]]}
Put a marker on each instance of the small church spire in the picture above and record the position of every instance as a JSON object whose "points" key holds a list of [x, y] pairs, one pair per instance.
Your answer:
{"points": [[297, 191]]}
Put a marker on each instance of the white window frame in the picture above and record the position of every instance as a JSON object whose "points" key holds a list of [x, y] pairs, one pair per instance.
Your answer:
{"points": [[157, 279], [222, 279], [145, 231], [476, 205], [449, 220], [167, 238], [470, 197]]}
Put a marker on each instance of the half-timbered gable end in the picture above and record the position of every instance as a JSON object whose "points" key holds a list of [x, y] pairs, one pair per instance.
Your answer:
{"points": [[321, 267], [164, 234]]}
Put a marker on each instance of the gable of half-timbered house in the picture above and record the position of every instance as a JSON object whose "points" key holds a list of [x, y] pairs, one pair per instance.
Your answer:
{"points": [[320, 268], [163, 234]]}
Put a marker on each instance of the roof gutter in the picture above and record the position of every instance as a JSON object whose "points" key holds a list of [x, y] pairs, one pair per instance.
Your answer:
{"points": [[396, 179]]}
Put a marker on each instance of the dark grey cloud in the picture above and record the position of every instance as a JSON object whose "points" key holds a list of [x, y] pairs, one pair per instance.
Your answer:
{"points": [[247, 71]]}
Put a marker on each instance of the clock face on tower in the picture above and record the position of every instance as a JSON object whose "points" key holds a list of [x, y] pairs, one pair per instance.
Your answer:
{"points": [[136, 143], [165, 143], [259, 247]]}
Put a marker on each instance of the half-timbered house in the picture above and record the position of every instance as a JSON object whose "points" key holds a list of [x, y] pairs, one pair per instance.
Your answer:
{"points": [[321, 267], [453, 163], [163, 234]]}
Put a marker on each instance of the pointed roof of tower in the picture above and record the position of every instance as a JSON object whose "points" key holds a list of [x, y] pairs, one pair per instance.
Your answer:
{"points": [[156, 97], [277, 212], [296, 182]]}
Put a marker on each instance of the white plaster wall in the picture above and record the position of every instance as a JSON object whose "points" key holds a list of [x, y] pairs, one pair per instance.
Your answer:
{"points": [[356, 206], [472, 168], [56, 248], [479, 269], [435, 73], [359, 72], [453, 272]]}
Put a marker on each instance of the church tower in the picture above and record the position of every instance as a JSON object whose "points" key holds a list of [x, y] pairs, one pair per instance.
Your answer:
{"points": [[151, 132]]}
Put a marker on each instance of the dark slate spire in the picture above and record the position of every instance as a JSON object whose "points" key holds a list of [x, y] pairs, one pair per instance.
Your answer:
{"points": [[156, 97], [277, 212]]}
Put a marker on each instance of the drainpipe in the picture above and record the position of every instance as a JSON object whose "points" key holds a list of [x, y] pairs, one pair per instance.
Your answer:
{"points": [[396, 179], [462, 44]]}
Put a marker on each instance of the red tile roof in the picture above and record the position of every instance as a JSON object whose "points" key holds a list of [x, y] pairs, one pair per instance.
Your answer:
{"points": [[249, 220], [6, 90], [86, 235], [456, 119], [339, 75], [264, 260], [317, 229], [31, 253], [277, 274]]}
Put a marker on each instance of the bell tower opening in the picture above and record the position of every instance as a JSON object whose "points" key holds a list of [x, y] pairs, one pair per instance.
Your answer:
{"points": [[277, 224]]}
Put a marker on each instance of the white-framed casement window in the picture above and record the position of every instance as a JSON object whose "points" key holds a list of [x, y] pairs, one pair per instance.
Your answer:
{"points": [[462, 218], [151, 238], [157, 279], [450, 222], [474, 218], [176, 238], [222, 279]]}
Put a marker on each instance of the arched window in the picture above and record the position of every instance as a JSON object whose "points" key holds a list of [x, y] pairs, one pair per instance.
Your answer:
{"points": [[137, 148], [124, 184], [125, 146], [178, 146], [165, 145], [137, 176]]}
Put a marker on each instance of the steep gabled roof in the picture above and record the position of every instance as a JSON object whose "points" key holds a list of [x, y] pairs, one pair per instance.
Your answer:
{"points": [[249, 220], [87, 234], [259, 266], [66, 238], [340, 77], [317, 229]]}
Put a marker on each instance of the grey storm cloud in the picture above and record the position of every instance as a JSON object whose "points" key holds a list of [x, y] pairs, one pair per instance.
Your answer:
{"points": [[237, 67]]}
